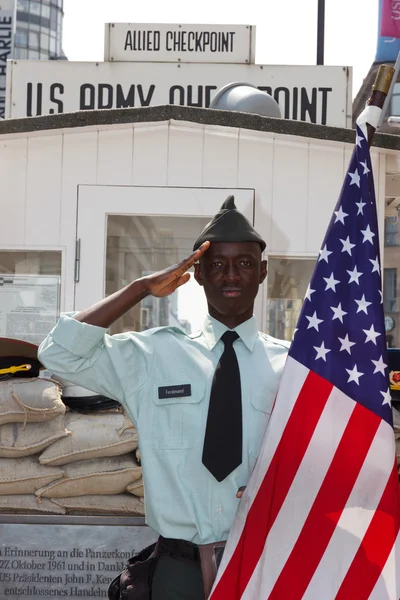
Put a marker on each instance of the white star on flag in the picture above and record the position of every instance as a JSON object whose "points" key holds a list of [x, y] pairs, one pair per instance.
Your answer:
{"points": [[371, 335], [331, 283], [354, 375], [366, 170], [360, 205], [368, 235], [324, 253], [321, 351], [380, 366], [309, 293], [346, 343], [363, 305], [359, 139], [340, 215], [354, 276], [338, 313], [387, 398], [375, 264], [314, 321], [347, 245], [355, 178]]}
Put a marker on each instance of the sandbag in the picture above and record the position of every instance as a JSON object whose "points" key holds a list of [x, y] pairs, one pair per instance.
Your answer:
{"points": [[97, 435], [119, 504], [29, 400], [28, 505], [97, 476], [136, 488], [17, 439], [25, 475]]}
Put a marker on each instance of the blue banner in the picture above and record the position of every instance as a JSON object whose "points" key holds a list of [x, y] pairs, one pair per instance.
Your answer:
{"points": [[387, 48]]}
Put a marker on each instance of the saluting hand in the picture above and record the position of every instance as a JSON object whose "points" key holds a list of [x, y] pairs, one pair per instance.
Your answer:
{"points": [[163, 283]]}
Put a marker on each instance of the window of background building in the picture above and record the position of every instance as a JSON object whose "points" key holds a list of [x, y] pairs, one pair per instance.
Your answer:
{"points": [[287, 283], [21, 53], [33, 54], [34, 40], [23, 5], [53, 45], [46, 11], [44, 41], [21, 37], [34, 8]]}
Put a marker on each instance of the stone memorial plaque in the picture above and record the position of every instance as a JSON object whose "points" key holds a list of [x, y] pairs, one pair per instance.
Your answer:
{"points": [[66, 560]]}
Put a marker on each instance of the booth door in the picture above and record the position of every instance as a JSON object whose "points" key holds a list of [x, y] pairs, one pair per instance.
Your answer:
{"points": [[124, 233]]}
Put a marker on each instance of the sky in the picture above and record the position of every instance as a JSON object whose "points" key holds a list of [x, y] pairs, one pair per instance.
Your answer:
{"points": [[286, 30]]}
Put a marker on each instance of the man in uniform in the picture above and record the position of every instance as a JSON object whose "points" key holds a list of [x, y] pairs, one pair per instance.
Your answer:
{"points": [[201, 402]]}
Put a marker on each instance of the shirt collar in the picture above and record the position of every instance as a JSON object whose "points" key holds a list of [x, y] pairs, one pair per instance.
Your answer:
{"points": [[213, 330]]}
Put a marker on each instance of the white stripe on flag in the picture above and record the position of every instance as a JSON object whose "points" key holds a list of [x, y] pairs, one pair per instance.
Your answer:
{"points": [[388, 585], [354, 520], [293, 378], [305, 487]]}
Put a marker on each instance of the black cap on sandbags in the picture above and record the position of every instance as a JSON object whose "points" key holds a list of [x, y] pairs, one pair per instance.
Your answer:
{"points": [[229, 225], [18, 359]]}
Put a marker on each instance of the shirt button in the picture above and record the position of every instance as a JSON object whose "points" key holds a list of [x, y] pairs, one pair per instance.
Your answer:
{"points": [[219, 509]]}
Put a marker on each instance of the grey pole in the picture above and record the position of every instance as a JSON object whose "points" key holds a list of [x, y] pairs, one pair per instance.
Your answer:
{"points": [[321, 32]]}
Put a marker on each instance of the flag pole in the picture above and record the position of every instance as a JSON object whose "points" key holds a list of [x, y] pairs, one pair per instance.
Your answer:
{"points": [[380, 94], [390, 92]]}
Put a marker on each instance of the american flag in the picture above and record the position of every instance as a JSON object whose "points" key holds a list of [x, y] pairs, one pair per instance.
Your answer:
{"points": [[320, 517]]}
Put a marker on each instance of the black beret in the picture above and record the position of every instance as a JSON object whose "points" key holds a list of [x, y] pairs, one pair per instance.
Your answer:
{"points": [[394, 372], [18, 359], [229, 225]]}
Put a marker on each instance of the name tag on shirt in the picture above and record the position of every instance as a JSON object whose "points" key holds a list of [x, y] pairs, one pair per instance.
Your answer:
{"points": [[175, 391]]}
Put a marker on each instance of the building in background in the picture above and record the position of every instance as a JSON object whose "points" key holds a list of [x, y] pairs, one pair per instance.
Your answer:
{"points": [[38, 32]]}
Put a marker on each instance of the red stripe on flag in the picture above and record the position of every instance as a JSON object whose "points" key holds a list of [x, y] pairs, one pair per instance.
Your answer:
{"points": [[376, 546], [274, 487], [328, 506]]}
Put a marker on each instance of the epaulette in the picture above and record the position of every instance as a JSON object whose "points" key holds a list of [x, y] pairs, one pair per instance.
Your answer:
{"points": [[276, 341]]}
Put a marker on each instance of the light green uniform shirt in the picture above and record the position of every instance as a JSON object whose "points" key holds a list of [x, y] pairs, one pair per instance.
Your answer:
{"points": [[182, 499]]}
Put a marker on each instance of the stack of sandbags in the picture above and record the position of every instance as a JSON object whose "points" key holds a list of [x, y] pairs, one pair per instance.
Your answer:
{"points": [[31, 418], [99, 464], [56, 461]]}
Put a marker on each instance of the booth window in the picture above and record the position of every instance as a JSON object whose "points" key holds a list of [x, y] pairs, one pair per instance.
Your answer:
{"points": [[389, 290], [287, 283], [29, 294], [138, 246], [391, 279]]}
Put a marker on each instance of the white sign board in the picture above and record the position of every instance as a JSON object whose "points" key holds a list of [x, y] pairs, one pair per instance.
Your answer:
{"points": [[139, 42], [29, 306], [316, 94], [7, 23]]}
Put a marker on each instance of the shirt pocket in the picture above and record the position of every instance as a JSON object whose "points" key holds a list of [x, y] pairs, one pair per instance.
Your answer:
{"points": [[176, 422], [261, 408]]}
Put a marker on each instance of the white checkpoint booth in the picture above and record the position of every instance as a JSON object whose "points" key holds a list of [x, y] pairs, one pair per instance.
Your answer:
{"points": [[102, 197], [91, 201]]}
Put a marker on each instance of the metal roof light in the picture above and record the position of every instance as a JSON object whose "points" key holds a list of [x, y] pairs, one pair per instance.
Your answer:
{"points": [[244, 97]]}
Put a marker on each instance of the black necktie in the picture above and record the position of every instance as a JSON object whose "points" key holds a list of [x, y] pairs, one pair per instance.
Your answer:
{"points": [[222, 451]]}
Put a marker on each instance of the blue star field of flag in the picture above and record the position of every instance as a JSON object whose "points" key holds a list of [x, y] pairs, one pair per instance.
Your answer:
{"points": [[340, 333]]}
